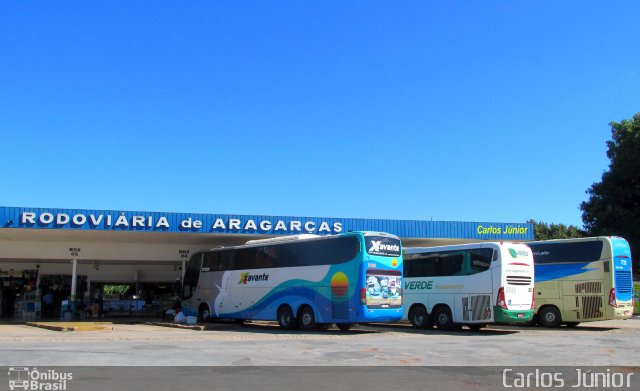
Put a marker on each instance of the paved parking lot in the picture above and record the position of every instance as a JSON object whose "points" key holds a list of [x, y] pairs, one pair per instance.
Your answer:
{"points": [[599, 343]]}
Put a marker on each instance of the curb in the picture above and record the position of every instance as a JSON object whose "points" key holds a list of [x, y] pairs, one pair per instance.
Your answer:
{"points": [[176, 326], [70, 326]]}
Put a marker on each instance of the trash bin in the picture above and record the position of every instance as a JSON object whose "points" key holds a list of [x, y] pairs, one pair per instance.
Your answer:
{"points": [[65, 308]]}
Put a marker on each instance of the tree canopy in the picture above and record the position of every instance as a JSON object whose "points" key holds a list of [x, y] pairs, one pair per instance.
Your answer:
{"points": [[544, 231], [613, 207]]}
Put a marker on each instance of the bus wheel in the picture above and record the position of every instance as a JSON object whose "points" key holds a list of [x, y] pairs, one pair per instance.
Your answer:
{"points": [[307, 319], [444, 320], [419, 317], [286, 319], [550, 317], [203, 313], [476, 327], [571, 324], [344, 326]]}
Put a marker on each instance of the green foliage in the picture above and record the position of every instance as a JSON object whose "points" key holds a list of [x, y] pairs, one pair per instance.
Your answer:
{"points": [[613, 207], [116, 289], [544, 231]]}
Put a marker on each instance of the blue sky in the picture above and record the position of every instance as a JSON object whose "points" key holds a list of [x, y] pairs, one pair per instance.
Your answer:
{"points": [[467, 111]]}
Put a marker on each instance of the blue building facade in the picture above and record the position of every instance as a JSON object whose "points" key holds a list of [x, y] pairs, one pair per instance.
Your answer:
{"points": [[138, 221]]}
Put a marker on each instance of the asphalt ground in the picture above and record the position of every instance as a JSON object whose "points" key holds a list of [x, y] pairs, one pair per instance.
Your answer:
{"points": [[606, 343]]}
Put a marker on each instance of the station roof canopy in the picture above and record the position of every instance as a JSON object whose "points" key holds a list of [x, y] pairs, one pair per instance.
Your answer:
{"points": [[200, 230]]}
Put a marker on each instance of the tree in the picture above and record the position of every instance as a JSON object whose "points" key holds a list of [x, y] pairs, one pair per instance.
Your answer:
{"points": [[613, 207], [543, 231]]}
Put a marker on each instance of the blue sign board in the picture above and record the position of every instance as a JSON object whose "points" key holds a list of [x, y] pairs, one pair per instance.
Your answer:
{"points": [[109, 220]]}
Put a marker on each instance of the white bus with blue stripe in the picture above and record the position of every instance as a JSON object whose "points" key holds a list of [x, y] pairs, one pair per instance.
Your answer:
{"points": [[301, 282], [582, 280]]}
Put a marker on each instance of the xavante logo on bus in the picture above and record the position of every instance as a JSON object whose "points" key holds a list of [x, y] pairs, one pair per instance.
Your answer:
{"points": [[247, 277], [378, 246]]}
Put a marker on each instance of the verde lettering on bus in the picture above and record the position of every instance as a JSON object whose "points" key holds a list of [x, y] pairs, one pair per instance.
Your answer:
{"points": [[418, 285]]}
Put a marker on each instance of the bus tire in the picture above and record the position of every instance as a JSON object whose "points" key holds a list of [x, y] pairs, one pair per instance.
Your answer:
{"points": [[307, 319], [550, 317], [419, 317], [571, 324], [344, 326], [444, 320], [204, 314], [476, 326], [286, 320]]}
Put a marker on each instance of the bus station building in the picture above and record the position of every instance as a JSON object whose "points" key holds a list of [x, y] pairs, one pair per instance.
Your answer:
{"points": [[57, 251]]}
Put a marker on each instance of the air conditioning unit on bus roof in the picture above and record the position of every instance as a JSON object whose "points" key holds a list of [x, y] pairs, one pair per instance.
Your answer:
{"points": [[283, 239]]}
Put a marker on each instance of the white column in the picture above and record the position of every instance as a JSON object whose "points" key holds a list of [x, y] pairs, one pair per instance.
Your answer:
{"points": [[74, 284]]}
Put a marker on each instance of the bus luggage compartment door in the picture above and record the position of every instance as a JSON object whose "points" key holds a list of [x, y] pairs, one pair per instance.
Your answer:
{"points": [[476, 308]]}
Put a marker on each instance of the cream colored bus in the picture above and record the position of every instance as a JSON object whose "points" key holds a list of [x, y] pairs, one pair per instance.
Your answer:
{"points": [[582, 280]]}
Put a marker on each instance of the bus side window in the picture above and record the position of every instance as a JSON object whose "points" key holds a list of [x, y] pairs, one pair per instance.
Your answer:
{"points": [[226, 260], [480, 259], [210, 262], [454, 265]]}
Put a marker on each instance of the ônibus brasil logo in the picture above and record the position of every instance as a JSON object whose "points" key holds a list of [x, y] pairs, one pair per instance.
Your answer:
{"points": [[377, 246], [33, 379], [248, 277]]}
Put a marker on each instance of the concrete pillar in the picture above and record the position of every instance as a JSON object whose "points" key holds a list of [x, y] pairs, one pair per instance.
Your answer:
{"points": [[74, 284]]}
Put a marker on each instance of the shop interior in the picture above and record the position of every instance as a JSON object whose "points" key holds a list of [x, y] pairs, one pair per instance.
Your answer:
{"points": [[27, 295]]}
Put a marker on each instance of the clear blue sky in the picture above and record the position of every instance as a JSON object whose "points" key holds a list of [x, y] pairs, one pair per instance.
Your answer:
{"points": [[468, 111]]}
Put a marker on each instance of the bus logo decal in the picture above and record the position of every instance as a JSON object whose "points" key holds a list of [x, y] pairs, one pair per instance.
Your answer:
{"points": [[516, 254], [247, 277], [378, 246]]}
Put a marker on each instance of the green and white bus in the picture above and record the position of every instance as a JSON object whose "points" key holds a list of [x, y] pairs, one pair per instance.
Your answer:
{"points": [[582, 280], [468, 284]]}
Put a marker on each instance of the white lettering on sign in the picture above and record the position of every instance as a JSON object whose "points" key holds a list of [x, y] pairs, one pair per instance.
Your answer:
{"points": [[106, 221], [62, 219], [122, 221], [79, 219], [28, 218], [46, 218], [234, 224], [219, 224], [190, 224], [265, 225]]}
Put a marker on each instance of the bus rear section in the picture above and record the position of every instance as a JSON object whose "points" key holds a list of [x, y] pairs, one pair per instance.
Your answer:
{"points": [[620, 300], [381, 296], [515, 293], [582, 280]]}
